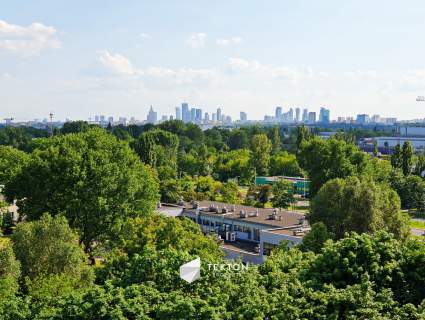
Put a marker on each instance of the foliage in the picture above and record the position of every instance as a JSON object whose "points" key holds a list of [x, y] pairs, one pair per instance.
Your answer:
{"points": [[326, 160], [11, 162], [359, 205], [407, 158], [49, 246], [93, 179], [285, 164], [283, 194], [315, 239], [260, 156]]}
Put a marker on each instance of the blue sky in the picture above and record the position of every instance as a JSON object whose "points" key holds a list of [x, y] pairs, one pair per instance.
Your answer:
{"points": [[83, 58]]}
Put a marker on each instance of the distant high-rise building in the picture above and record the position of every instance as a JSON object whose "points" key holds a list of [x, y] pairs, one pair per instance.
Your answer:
{"points": [[121, 120], [214, 117], [171, 117], [219, 118], [178, 113], [324, 115], [192, 114], [228, 119], [297, 114], [207, 117], [102, 118], [111, 120], [376, 118], [96, 118], [152, 116], [362, 118], [305, 115], [243, 116], [185, 112], [278, 113], [291, 115], [198, 115], [311, 117], [164, 118]]}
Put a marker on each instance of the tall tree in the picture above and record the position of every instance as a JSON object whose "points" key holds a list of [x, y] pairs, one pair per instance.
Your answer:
{"points": [[359, 205], [260, 157], [90, 177], [283, 194], [49, 246], [396, 157], [275, 140], [407, 158]]}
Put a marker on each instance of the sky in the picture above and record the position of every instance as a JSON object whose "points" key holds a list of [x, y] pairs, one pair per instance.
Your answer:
{"points": [[79, 58]]}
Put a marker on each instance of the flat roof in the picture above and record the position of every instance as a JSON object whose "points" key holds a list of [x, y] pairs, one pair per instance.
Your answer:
{"points": [[287, 218], [289, 232]]}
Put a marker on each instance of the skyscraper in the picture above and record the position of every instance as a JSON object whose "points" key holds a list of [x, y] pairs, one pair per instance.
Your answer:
{"points": [[291, 115], [305, 115], [185, 112], [297, 114], [152, 116], [178, 113], [192, 114], [219, 114], [278, 113], [243, 116], [207, 117], [362, 118], [324, 115], [311, 117], [198, 115]]}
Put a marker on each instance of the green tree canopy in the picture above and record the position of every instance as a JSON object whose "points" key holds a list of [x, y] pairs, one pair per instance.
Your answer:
{"points": [[359, 205], [92, 178], [260, 156]]}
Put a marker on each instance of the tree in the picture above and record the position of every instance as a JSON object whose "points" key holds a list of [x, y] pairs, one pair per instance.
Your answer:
{"points": [[260, 157], [396, 157], [75, 127], [285, 164], [49, 246], [230, 192], [315, 239], [359, 205], [238, 139], [407, 158], [283, 194], [11, 162], [302, 136], [90, 177], [18, 138], [275, 140], [411, 190], [326, 160]]}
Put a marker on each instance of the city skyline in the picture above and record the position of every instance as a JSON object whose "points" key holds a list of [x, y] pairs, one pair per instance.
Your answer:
{"points": [[123, 58]]}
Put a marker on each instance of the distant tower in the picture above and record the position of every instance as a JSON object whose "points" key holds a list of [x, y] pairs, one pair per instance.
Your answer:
{"points": [[219, 114], [178, 113], [152, 116], [297, 114], [51, 123], [305, 115], [243, 116], [278, 113]]}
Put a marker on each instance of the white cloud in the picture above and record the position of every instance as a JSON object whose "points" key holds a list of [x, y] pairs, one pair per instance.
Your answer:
{"points": [[242, 65], [182, 76], [229, 41], [145, 36], [28, 40], [117, 64], [196, 40], [363, 74]]}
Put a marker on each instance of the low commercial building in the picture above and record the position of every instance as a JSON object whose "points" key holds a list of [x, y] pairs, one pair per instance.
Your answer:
{"points": [[246, 232], [383, 143]]}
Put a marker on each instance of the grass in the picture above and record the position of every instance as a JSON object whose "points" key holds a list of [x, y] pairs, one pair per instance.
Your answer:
{"points": [[417, 224]]}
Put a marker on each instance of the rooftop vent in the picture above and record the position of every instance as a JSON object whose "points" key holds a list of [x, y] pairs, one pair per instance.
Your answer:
{"points": [[243, 214]]}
